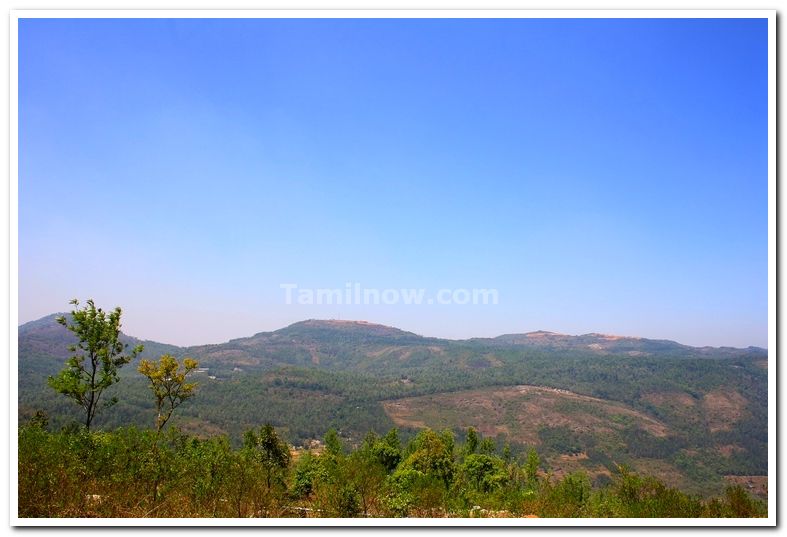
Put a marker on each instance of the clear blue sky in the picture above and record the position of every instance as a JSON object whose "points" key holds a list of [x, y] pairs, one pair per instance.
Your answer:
{"points": [[602, 175]]}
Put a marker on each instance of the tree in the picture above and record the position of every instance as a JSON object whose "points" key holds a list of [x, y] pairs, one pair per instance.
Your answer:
{"points": [[487, 446], [168, 384], [269, 450], [485, 472], [471, 444], [307, 472], [433, 455], [40, 419], [366, 472], [531, 466], [333, 445], [96, 359], [388, 450]]}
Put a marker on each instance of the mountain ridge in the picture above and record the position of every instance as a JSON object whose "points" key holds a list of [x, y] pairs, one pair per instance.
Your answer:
{"points": [[593, 394], [532, 338]]}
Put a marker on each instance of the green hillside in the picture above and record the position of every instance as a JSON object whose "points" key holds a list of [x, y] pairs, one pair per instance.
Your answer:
{"points": [[710, 404]]}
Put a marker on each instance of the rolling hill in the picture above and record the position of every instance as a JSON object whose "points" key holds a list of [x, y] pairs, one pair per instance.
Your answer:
{"points": [[692, 415]]}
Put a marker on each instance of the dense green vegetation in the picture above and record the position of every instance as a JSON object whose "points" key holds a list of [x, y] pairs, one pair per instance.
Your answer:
{"points": [[135, 473], [313, 376]]}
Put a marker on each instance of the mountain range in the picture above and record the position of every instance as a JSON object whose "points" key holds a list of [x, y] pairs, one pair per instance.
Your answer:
{"points": [[691, 415]]}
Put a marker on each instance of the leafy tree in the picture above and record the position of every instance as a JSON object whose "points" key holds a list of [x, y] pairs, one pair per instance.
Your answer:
{"points": [[531, 466], [433, 455], [39, 419], [306, 473], [740, 503], [485, 472], [268, 450], [241, 477], [96, 359], [471, 443], [168, 384], [507, 452], [487, 446], [347, 503], [333, 445], [388, 450], [401, 487], [209, 463], [366, 472], [569, 497]]}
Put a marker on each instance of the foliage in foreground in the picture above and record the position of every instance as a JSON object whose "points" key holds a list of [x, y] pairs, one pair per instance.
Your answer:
{"points": [[136, 473], [95, 359]]}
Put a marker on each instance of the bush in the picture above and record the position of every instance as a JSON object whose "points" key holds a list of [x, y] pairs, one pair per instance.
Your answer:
{"points": [[115, 474]]}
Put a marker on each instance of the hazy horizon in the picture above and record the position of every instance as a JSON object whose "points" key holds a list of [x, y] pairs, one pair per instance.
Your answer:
{"points": [[367, 321], [603, 176]]}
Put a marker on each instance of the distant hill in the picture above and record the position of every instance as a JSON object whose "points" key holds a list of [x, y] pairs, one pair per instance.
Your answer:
{"points": [[597, 397], [632, 346], [308, 339], [47, 336], [374, 347]]}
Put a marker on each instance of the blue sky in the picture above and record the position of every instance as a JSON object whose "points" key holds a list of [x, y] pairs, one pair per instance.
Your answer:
{"points": [[602, 175]]}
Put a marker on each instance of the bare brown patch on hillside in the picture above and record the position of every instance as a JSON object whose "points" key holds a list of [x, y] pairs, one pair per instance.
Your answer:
{"points": [[678, 404], [762, 363], [236, 356], [559, 469], [398, 352], [729, 449], [381, 352], [612, 337], [493, 360], [541, 334], [662, 470], [756, 484], [517, 411], [400, 413], [723, 408], [339, 322], [314, 355], [405, 355], [574, 456], [670, 399], [313, 447], [199, 428]]}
